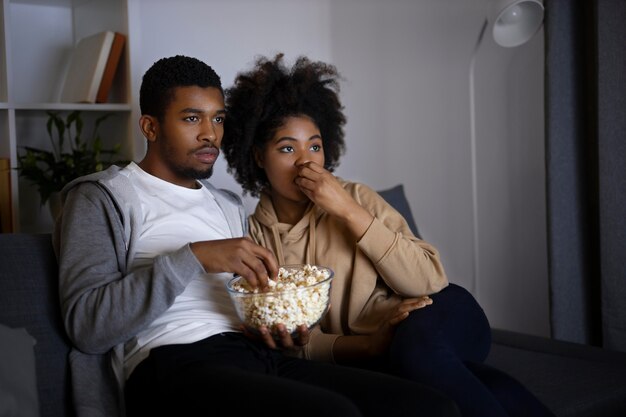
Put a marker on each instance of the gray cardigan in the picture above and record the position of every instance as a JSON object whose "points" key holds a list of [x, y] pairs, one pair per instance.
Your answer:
{"points": [[102, 303]]}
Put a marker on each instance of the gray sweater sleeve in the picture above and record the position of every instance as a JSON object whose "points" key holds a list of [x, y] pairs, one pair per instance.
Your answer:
{"points": [[102, 304]]}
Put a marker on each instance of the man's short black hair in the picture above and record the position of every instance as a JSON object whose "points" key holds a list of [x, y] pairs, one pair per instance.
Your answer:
{"points": [[163, 76], [262, 99]]}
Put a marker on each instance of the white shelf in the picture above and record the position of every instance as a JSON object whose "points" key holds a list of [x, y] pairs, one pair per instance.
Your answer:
{"points": [[71, 106], [63, 3], [36, 41]]}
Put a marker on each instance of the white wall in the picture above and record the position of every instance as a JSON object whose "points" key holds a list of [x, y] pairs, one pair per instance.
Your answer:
{"points": [[406, 92]]}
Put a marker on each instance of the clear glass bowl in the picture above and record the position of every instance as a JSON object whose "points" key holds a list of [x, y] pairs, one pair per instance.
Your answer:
{"points": [[306, 304]]}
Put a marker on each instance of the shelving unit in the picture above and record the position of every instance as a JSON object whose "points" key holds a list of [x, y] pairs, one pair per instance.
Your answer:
{"points": [[38, 37]]}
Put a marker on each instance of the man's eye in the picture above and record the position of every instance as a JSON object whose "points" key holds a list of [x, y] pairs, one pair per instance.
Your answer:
{"points": [[192, 118], [218, 119]]}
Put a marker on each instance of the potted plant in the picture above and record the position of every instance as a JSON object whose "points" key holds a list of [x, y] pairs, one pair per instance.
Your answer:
{"points": [[71, 155]]}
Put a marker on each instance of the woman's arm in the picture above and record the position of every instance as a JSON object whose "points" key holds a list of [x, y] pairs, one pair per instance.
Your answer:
{"points": [[410, 266]]}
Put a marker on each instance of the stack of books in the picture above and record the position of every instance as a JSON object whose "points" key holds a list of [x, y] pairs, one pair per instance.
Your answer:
{"points": [[92, 68]]}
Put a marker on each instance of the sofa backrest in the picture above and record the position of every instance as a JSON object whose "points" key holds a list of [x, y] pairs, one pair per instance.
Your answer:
{"points": [[397, 199], [29, 299]]}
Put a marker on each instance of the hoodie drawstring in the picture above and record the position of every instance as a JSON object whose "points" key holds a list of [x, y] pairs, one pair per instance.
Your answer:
{"points": [[310, 254], [310, 257], [278, 245]]}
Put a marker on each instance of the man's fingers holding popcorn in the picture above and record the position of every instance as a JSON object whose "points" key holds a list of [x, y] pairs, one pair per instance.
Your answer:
{"points": [[266, 337], [295, 341], [303, 335], [258, 265], [285, 339], [240, 256], [282, 339]]}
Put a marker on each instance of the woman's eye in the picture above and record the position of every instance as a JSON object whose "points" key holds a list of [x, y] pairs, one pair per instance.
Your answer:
{"points": [[286, 149], [316, 148]]}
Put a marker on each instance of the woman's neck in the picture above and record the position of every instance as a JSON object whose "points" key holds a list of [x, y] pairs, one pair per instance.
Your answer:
{"points": [[289, 211]]}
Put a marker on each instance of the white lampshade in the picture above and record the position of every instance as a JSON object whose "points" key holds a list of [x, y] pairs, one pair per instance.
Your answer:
{"points": [[516, 23]]}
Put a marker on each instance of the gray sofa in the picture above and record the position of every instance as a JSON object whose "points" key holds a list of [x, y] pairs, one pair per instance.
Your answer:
{"points": [[573, 380]]}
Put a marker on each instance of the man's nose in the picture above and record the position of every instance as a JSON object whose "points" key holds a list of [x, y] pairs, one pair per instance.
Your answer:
{"points": [[208, 133]]}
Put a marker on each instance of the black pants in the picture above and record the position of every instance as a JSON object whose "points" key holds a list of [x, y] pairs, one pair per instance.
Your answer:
{"points": [[228, 375]]}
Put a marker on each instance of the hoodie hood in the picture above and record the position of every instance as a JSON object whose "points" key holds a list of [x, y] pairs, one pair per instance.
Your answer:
{"points": [[301, 232]]}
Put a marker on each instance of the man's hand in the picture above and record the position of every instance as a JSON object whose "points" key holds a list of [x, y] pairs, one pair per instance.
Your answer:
{"points": [[284, 340], [240, 256]]}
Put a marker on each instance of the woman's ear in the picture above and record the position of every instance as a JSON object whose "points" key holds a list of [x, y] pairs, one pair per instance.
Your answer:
{"points": [[258, 158], [149, 127]]}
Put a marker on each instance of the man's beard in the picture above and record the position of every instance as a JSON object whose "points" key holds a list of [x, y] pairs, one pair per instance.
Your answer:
{"points": [[194, 173], [185, 171]]}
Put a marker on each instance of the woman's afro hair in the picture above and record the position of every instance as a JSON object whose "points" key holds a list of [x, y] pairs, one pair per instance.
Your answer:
{"points": [[260, 101]]}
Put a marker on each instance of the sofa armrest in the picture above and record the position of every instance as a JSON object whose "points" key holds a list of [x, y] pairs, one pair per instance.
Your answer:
{"points": [[572, 379], [29, 299]]}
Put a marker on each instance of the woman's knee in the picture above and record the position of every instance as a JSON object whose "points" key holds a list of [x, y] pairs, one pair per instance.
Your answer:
{"points": [[454, 324]]}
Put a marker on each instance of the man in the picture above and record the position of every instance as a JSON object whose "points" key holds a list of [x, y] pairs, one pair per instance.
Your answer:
{"points": [[144, 254]]}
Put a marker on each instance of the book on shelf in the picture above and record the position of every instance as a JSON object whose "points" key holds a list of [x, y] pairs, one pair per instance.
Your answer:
{"points": [[92, 58], [6, 209], [111, 67]]}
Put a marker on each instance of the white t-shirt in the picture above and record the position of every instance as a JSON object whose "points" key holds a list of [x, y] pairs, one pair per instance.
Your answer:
{"points": [[173, 217]]}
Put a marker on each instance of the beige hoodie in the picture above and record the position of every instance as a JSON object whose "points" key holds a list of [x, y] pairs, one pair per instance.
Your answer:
{"points": [[371, 274]]}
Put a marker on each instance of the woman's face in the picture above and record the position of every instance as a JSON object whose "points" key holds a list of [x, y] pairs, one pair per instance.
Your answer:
{"points": [[296, 142]]}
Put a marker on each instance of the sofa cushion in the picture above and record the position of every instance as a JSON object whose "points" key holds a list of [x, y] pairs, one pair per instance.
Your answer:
{"points": [[573, 380], [29, 299]]}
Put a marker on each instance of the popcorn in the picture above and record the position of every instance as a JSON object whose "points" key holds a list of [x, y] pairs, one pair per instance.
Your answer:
{"points": [[299, 295]]}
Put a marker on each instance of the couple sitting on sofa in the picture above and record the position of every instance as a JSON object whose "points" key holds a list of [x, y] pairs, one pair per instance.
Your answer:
{"points": [[399, 340]]}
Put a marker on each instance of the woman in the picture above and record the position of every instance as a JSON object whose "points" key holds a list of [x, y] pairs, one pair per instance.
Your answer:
{"points": [[392, 308]]}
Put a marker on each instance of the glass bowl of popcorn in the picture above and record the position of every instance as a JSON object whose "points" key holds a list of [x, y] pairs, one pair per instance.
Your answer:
{"points": [[300, 294]]}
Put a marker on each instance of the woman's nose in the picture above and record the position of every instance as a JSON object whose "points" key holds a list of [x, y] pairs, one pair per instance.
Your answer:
{"points": [[302, 159]]}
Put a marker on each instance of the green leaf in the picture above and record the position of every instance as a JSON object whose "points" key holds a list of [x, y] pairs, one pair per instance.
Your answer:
{"points": [[50, 171]]}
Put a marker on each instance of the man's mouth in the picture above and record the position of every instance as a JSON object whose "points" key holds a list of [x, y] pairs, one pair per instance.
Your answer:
{"points": [[207, 155]]}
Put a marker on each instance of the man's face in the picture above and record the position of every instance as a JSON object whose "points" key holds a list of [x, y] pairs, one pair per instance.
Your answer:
{"points": [[188, 139]]}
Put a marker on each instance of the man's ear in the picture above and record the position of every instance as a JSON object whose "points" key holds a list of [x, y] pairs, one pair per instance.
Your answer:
{"points": [[149, 127]]}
